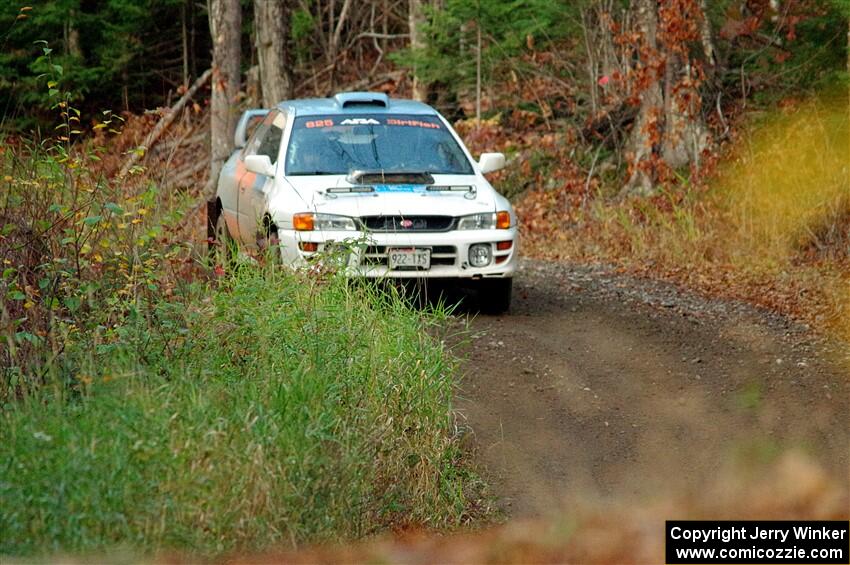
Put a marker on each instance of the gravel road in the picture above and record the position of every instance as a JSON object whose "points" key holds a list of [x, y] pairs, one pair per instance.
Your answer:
{"points": [[598, 385]]}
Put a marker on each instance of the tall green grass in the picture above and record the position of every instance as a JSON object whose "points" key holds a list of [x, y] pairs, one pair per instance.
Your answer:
{"points": [[268, 407]]}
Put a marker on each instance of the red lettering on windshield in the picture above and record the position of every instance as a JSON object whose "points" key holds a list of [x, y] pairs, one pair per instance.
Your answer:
{"points": [[319, 124], [412, 123]]}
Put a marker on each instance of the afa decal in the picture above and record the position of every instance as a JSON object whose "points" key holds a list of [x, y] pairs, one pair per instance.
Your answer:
{"points": [[360, 122]]}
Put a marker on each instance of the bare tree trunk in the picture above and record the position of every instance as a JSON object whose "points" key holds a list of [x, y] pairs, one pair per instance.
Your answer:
{"points": [[706, 37], [685, 133], [385, 28], [605, 59], [225, 29], [416, 19], [72, 36], [477, 72], [592, 65], [184, 31], [335, 36], [673, 146], [271, 21], [669, 130], [648, 126], [193, 67]]}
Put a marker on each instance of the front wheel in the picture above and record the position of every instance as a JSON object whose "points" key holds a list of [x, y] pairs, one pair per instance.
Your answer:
{"points": [[268, 242], [494, 295], [224, 247]]}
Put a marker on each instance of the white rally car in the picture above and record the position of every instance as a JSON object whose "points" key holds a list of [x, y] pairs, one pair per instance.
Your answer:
{"points": [[390, 179]]}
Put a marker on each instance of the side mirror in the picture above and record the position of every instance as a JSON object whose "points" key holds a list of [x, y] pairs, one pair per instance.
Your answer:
{"points": [[249, 118], [490, 162], [260, 164]]}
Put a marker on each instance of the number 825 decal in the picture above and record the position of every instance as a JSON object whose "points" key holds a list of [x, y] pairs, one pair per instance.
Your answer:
{"points": [[319, 124]]}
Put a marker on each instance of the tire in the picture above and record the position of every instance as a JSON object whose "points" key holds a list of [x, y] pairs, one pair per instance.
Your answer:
{"points": [[269, 243], [224, 248], [494, 295]]}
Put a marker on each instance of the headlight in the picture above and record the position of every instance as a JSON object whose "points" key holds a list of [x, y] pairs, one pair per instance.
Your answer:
{"points": [[323, 222], [489, 221]]}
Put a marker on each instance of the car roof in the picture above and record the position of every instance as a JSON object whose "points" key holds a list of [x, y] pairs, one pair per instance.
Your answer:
{"points": [[355, 103]]}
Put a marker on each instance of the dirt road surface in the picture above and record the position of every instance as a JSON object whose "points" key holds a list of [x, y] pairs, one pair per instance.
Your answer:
{"points": [[606, 387]]}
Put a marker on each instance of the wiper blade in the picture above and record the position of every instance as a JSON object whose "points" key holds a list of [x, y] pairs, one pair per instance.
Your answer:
{"points": [[309, 173]]}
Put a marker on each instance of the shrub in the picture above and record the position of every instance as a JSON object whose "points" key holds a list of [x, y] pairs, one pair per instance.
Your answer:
{"points": [[272, 408]]}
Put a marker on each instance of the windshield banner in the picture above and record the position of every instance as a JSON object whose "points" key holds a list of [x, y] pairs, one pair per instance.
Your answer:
{"points": [[425, 122]]}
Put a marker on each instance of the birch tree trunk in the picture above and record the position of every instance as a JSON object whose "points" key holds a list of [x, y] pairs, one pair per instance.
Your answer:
{"points": [[225, 29], [271, 21], [416, 19]]}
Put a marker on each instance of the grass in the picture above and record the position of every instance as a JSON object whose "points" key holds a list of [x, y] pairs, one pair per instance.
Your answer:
{"points": [[149, 405], [276, 410]]}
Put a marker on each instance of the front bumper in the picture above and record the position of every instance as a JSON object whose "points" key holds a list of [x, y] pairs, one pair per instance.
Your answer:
{"points": [[365, 254]]}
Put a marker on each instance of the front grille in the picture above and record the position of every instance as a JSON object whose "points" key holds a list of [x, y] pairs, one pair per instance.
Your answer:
{"points": [[408, 223], [376, 255]]}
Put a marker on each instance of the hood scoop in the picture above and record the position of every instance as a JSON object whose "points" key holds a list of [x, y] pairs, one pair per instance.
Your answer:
{"points": [[397, 177]]}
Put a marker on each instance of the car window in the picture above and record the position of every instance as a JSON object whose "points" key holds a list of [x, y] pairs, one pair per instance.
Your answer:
{"points": [[252, 125], [267, 137], [373, 142]]}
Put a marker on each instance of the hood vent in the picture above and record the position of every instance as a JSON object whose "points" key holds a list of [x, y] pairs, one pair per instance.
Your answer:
{"points": [[354, 99], [398, 177]]}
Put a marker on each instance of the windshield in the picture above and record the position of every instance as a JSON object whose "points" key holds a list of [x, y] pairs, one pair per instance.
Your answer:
{"points": [[338, 145]]}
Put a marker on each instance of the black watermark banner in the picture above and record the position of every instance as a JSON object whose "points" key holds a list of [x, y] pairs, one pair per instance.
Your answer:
{"points": [[769, 541]]}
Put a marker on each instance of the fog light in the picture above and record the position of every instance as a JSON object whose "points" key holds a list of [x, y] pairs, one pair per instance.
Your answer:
{"points": [[480, 254], [309, 246]]}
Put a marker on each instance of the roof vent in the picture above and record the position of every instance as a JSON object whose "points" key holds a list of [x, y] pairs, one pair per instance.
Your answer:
{"points": [[351, 99]]}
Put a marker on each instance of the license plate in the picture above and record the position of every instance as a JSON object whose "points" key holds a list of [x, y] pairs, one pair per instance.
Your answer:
{"points": [[409, 258]]}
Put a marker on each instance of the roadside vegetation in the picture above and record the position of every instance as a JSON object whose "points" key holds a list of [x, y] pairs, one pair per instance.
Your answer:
{"points": [[768, 222], [151, 403]]}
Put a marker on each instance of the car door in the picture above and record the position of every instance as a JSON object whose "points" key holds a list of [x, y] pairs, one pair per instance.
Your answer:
{"points": [[254, 188]]}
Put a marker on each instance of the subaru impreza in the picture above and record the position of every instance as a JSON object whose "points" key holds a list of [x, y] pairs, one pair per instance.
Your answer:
{"points": [[387, 181]]}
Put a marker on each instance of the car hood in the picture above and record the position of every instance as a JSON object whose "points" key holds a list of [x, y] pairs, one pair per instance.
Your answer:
{"points": [[396, 199]]}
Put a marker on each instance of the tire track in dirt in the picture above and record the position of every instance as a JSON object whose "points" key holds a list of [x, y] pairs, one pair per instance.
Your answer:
{"points": [[603, 386]]}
